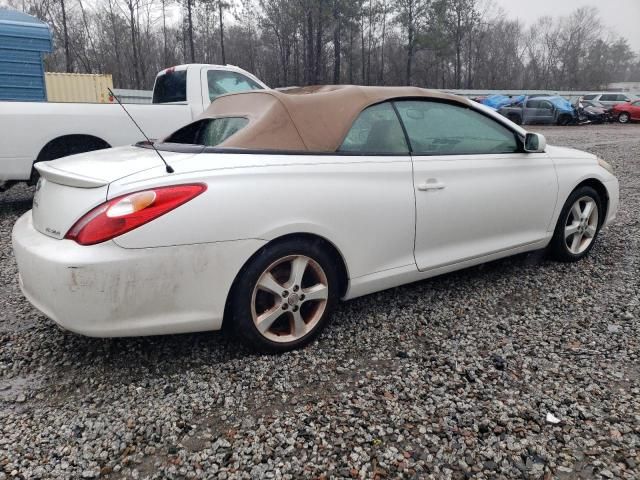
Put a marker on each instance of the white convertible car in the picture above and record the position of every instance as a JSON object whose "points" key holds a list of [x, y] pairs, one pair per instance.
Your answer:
{"points": [[277, 204]]}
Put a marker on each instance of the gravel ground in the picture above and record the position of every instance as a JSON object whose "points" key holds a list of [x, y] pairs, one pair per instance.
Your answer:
{"points": [[521, 368]]}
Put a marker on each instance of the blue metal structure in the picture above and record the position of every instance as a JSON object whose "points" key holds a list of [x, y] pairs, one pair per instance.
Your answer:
{"points": [[23, 40]]}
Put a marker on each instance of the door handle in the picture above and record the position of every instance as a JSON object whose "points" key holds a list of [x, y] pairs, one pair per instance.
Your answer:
{"points": [[431, 184]]}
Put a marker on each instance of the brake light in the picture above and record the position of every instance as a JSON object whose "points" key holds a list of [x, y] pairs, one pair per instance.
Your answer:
{"points": [[123, 214]]}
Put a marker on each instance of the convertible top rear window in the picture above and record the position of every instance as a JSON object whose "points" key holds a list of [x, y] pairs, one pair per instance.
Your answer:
{"points": [[208, 132]]}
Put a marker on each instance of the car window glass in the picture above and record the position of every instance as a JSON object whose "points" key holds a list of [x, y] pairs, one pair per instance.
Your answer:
{"points": [[208, 132], [436, 128], [376, 130], [608, 98], [170, 87], [221, 82], [589, 97], [623, 98], [533, 104]]}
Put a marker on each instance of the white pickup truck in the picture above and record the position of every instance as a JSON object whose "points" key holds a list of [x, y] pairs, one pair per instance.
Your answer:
{"points": [[34, 131]]}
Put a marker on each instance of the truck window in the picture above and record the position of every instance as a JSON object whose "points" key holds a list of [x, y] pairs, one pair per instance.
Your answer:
{"points": [[208, 132], [224, 81], [171, 87]]}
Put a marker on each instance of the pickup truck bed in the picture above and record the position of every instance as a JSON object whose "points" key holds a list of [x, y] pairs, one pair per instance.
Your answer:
{"points": [[36, 131]]}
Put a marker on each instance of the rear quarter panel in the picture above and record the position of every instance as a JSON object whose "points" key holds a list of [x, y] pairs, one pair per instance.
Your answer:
{"points": [[365, 208]]}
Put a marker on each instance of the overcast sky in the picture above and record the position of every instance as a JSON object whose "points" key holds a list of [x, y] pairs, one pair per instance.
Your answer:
{"points": [[621, 16]]}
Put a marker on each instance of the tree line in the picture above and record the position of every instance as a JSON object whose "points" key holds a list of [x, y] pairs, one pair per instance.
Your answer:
{"points": [[431, 43]]}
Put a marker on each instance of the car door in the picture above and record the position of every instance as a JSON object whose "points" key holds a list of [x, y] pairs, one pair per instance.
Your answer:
{"points": [[546, 112], [634, 110], [476, 192], [530, 112], [609, 100]]}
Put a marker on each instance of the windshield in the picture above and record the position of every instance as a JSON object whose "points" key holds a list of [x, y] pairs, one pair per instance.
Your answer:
{"points": [[171, 87]]}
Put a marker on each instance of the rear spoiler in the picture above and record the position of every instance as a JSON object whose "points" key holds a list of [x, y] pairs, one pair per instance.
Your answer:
{"points": [[62, 177]]}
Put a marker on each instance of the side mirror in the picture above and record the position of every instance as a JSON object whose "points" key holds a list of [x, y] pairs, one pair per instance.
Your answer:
{"points": [[534, 143]]}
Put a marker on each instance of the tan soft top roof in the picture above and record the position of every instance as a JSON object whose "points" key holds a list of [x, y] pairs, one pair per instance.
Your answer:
{"points": [[315, 119]]}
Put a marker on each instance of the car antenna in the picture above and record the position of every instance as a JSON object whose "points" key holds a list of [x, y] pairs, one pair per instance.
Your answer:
{"points": [[169, 168]]}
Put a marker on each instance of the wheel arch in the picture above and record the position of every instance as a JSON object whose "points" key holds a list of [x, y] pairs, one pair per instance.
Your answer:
{"points": [[68, 145], [73, 139], [564, 118], [329, 246], [515, 118], [599, 187]]}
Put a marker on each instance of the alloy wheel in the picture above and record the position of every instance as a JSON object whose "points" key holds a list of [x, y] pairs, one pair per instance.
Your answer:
{"points": [[581, 225], [289, 298], [623, 118]]}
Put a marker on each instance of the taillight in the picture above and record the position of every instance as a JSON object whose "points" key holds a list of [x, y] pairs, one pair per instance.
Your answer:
{"points": [[123, 214]]}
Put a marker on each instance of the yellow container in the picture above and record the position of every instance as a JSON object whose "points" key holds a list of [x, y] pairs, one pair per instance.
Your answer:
{"points": [[78, 87]]}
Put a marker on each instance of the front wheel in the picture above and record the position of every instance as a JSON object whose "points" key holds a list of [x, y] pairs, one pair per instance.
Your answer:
{"points": [[515, 118], [564, 120], [624, 117], [285, 296], [578, 225]]}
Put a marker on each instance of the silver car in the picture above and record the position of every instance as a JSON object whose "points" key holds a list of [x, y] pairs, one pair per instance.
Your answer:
{"points": [[610, 99]]}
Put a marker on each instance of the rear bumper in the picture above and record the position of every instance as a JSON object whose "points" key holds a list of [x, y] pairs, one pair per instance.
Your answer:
{"points": [[105, 290]]}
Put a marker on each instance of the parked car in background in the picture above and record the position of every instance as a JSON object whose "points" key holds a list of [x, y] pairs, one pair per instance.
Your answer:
{"points": [[269, 214], [593, 103], [627, 112], [551, 110], [38, 131], [593, 111], [610, 99]]}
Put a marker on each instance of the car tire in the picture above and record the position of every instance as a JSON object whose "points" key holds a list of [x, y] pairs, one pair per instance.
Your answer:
{"points": [[274, 307], [624, 117], [564, 120], [515, 118], [578, 225]]}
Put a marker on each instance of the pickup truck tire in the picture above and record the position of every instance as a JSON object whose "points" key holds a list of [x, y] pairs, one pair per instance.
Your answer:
{"points": [[515, 118], [564, 119], [64, 146]]}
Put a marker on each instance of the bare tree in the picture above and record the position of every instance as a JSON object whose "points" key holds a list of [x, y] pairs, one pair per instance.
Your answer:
{"points": [[221, 5], [67, 57], [412, 17], [432, 43], [190, 31]]}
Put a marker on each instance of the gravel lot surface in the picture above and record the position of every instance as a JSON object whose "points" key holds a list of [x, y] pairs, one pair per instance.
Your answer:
{"points": [[522, 368]]}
